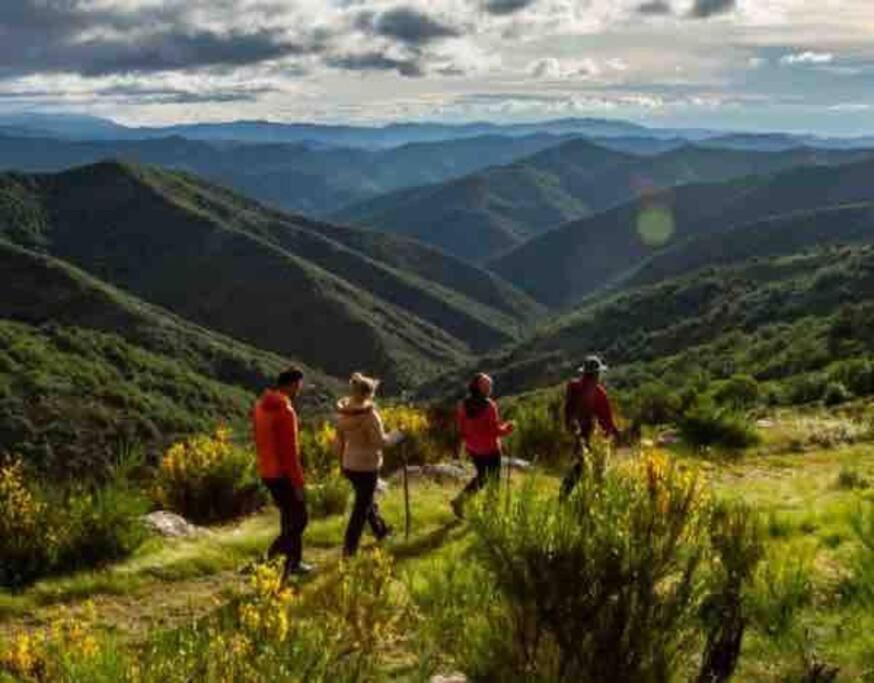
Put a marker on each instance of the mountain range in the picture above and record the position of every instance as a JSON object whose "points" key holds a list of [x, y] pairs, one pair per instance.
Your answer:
{"points": [[485, 214]]}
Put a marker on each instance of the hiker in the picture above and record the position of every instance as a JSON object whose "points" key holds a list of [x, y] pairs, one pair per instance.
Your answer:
{"points": [[586, 402], [361, 439], [276, 440], [481, 429]]}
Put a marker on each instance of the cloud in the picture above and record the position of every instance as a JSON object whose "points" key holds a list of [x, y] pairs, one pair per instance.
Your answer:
{"points": [[654, 8], [504, 7], [406, 25], [807, 58], [704, 9], [377, 61]]}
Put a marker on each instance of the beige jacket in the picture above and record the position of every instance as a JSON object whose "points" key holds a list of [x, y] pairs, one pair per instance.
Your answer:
{"points": [[360, 435]]}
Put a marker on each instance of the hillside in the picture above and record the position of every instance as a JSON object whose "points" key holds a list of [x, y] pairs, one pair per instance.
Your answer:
{"points": [[484, 214], [575, 260], [297, 177], [149, 233], [783, 304], [86, 367]]}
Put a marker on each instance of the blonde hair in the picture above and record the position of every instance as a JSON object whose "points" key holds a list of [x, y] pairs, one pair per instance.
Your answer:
{"points": [[362, 386]]}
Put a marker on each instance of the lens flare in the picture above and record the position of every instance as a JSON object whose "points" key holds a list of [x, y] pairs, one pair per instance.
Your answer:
{"points": [[655, 225]]}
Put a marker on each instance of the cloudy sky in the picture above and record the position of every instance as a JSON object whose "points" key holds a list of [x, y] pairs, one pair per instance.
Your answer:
{"points": [[747, 64]]}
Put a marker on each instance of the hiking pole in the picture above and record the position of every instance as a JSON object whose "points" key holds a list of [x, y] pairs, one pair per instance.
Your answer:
{"points": [[407, 520]]}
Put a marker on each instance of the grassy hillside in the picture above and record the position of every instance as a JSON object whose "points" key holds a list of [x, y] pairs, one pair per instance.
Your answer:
{"points": [[575, 260], [402, 282], [194, 250], [486, 213], [771, 317], [296, 177], [85, 368]]}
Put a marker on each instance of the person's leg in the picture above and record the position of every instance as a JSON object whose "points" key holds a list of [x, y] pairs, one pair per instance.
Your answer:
{"points": [[473, 486], [573, 477], [360, 509], [279, 493], [297, 524], [377, 524]]}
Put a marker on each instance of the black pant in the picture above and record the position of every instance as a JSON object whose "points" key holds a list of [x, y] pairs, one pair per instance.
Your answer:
{"points": [[364, 510], [573, 477], [488, 468], [293, 520]]}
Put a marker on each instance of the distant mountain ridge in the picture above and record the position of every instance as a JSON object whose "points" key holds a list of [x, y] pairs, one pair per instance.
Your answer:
{"points": [[561, 267], [487, 213], [293, 176]]}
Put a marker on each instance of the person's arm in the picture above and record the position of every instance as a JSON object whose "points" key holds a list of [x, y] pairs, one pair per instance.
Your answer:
{"points": [[494, 426], [288, 446], [604, 413], [378, 433]]}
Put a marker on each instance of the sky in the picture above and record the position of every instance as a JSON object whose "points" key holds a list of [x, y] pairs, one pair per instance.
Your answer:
{"points": [[794, 65]]}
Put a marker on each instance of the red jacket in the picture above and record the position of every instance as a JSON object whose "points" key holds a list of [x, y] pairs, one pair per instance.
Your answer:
{"points": [[482, 434], [586, 402], [274, 424]]}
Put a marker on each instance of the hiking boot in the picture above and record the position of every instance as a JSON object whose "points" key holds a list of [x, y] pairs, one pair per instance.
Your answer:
{"points": [[384, 533], [301, 569]]}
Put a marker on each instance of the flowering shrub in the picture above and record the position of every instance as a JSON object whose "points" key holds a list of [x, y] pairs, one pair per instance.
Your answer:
{"points": [[634, 547], [53, 653], [45, 530], [319, 450], [209, 478], [422, 443]]}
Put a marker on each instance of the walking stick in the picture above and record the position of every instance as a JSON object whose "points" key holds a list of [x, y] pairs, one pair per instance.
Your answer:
{"points": [[509, 473], [408, 520]]}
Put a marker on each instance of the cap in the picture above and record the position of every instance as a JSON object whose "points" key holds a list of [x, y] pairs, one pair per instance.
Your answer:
{"points": [[592, 365]]}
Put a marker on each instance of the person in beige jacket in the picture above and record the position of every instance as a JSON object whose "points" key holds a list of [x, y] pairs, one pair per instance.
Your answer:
{"points": [[361, 438]]}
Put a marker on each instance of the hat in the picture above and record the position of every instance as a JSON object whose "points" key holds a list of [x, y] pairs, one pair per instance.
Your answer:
{"points": [[592, 365]]}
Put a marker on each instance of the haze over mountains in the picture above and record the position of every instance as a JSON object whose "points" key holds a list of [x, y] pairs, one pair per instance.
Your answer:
{"points": [[171, 293]]}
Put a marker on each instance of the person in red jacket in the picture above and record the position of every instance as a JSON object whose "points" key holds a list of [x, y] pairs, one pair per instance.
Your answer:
{"points": [[586, 405], [481, 430], [275, 429]]}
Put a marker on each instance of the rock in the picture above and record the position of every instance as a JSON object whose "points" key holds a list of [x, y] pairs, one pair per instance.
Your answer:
{"points": [[667, 439], [516, 464], [439, 472], [171, 525], [765, 423], [382, 485], [449, 678]]}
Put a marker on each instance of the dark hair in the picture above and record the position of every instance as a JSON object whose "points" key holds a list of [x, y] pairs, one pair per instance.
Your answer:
{"points": [[289, 376], [476, 401]]}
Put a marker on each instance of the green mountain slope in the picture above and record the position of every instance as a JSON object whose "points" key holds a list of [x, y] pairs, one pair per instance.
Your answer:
{"points": [[575, 260], [720, 308], [141, 230], [484, 214], [85, 367]]}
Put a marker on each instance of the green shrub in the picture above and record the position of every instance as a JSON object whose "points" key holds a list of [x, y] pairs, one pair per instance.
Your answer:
{"points": [[740, 392], [851, 479], [705, 425], [835, 394], [605, 586], [209, 479], [44, 531], [328, 496], [783, 587], [653, 403], [859, 587], [540, 434]]}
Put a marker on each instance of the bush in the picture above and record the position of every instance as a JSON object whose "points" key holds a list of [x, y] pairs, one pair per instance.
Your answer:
{"points": [[604, 587], [540, 434], [318, 449], [45, 531], [835, 394], [422, 444], [654, 404], [704, 425], [859, 587], [740, 392], [209, 479], [329, 496]]}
